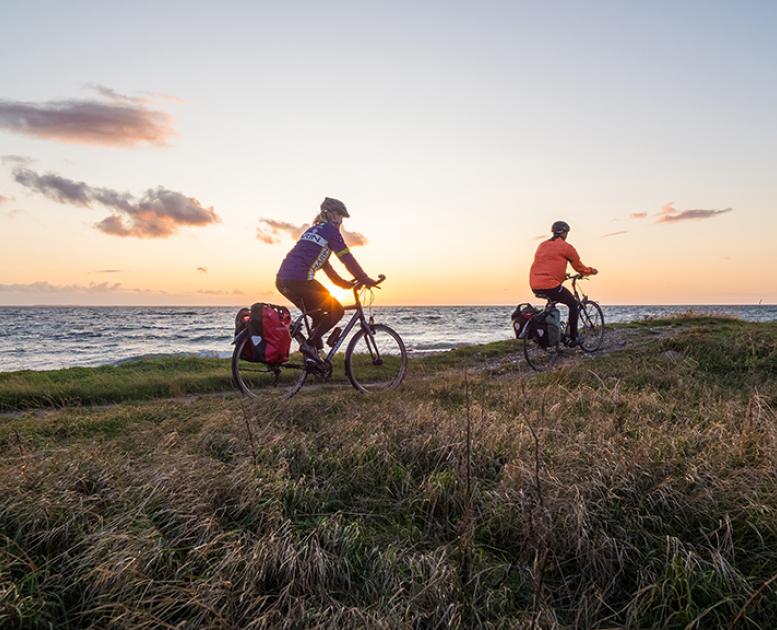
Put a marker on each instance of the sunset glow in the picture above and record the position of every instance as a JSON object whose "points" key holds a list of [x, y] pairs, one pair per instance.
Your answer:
{"points": [[182, 172]]}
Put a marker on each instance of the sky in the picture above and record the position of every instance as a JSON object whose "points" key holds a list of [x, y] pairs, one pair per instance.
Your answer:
{"points": [[169, 153]]}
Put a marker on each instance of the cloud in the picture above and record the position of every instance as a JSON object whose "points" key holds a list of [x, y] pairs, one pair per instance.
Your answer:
{"points": [[4, 199], [614, 233], [16, 160], [669, 214], [107, 271], [353, 239], [42, 288], [120, 123], [159, 213], [46, 287], [270, 231], [638, 215], [54, 187], [220, 292], [112, 94], [202, 269]]}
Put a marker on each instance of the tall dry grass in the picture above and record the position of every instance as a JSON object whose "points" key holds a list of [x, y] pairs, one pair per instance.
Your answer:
{"points": [[636, 490]]}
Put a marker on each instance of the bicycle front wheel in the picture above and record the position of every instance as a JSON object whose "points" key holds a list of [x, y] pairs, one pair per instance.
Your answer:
{"points": [[591, 327], [259, 379], [376, 359], [540, 358]]}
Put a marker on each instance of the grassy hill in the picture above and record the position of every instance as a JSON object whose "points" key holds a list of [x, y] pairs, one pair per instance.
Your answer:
{"points": [[637, 488]]}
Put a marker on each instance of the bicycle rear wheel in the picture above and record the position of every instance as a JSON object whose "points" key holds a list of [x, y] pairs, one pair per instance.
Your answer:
{"points": [[259, 379], [591, 327], [538, 357], [376, 359]]}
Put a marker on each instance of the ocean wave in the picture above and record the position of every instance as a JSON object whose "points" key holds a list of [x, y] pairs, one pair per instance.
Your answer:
{"points": [[434, 346], [221, 338], [53, 337]]}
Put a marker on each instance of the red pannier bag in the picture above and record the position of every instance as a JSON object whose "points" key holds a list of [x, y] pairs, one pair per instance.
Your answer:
{"points": [[269, 332], [241, 321]]}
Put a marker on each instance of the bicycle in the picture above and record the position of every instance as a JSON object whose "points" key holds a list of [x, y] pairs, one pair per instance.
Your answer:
{"points": [[375, 359], [542, 354]]}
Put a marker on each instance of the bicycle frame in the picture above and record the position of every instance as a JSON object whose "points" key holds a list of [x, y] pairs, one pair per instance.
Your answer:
{"points": [[357, 317], [550, 303], [574, 288]]}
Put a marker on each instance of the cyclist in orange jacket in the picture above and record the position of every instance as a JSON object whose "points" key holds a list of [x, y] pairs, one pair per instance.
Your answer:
{"points": [[549, 269]]}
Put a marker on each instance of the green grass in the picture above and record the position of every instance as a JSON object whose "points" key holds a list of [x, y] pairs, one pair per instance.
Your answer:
{"points": [[138, 380], [635, 489]]}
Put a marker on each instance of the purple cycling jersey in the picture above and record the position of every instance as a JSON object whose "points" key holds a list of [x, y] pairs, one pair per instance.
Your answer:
{"points": [[312, 251]]}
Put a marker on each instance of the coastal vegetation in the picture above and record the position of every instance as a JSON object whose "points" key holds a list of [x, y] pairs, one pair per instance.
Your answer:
{"points": [[635, 488]]}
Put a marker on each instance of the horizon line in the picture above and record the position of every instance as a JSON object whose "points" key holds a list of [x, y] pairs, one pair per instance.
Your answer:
{"points": [[450, 305]]}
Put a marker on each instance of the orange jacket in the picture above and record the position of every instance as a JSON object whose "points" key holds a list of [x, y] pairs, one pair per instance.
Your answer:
{"points": [[550, 264]]}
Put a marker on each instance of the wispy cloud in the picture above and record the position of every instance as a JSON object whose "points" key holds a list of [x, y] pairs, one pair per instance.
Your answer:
{"points": [[122, 122], [159, 213], [220, 292], [202, 269], [16, 160], [107, 271], [638, 215], [112, 94], [46, 290], [614, 233], [47, 287], [270, 231], [669, 214]]}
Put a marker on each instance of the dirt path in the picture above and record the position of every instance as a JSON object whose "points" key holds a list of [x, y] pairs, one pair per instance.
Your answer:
{"points": [[614, 339]]}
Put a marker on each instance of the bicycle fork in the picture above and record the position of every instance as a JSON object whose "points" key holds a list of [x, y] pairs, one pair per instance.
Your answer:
{"points": [[371, 345]]}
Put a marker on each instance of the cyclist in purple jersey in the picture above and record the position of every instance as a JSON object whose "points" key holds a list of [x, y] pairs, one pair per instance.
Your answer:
{"points": [[296, 281]]}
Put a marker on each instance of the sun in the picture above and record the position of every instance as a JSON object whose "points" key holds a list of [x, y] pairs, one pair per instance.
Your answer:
{"points": [[344, 296]]}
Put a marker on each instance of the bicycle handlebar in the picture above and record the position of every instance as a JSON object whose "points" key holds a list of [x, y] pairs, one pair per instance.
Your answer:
{"points": [[578, 276], [358, 285]]}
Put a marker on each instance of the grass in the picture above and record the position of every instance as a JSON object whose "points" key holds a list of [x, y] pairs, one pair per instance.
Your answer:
{"points": [[633, 490], [137, 380]]}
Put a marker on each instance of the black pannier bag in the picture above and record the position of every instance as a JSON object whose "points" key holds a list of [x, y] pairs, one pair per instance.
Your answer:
{"points": [[538, 328], [553, 325], [521, 317]]}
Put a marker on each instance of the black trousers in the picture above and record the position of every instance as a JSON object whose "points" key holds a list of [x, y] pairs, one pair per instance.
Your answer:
{"points": [[311, 295], [564, 296]]}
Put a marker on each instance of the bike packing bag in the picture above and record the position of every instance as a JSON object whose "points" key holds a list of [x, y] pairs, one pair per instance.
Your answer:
{"points": [[241, 321], [553, 325], [520, 319], [537, 329], [269, 332]]}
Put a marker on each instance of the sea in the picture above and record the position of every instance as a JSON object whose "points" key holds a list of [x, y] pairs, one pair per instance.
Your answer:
{"points": [[54, 337]]}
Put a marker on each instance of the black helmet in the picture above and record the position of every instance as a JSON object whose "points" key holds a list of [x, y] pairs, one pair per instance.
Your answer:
{"points": [[334, 205], [559, 227]]}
